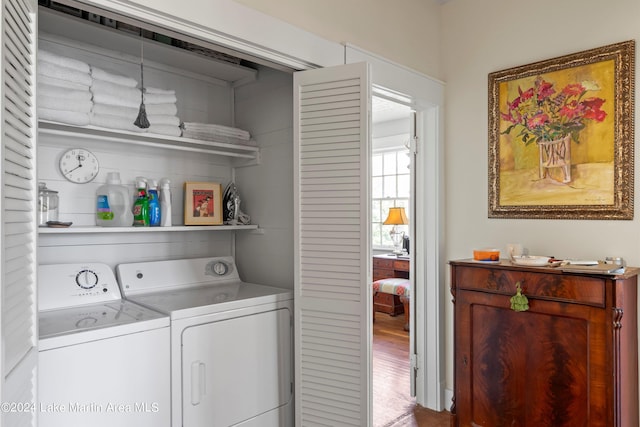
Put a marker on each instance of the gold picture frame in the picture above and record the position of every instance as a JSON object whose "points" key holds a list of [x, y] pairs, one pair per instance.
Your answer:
{"points": [[202, 203], [561, 137]]}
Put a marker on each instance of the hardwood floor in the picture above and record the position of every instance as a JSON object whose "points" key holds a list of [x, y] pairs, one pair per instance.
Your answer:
{"points": [[392, 405]]}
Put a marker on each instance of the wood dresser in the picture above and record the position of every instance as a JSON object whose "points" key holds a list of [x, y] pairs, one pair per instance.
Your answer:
{"points": [[385, 266], [571, 359]]}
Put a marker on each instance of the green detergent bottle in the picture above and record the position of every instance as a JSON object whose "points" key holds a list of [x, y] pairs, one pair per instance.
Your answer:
{"points": [[141, 205]]}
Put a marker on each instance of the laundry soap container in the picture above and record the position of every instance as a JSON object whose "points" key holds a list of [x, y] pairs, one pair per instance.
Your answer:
{"points": [[113, 203]]}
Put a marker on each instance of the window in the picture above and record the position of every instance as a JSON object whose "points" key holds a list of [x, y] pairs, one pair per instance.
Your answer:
{"points": [[391, 187]]}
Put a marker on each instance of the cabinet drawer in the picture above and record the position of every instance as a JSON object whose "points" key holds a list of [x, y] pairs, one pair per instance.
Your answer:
{"points": [[401, 265], [383, 263], [382, 274], [557, 287]]}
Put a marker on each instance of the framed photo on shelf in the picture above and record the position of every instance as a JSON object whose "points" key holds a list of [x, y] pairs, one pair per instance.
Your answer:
{"points": [[202, 203], [561, 137]]}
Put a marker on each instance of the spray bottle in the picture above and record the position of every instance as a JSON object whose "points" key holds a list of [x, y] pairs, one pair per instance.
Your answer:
{"points": [[141, 205]]}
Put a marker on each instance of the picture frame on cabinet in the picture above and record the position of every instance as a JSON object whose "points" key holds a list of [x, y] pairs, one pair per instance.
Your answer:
{"points": [[202, 203], [561, 136]]}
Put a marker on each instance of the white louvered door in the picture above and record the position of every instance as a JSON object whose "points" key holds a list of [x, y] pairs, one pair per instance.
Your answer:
{"points": [[332, 246], [18, 195]]}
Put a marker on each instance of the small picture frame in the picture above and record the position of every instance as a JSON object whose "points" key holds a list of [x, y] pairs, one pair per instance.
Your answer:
{"points": [[202, 203]]}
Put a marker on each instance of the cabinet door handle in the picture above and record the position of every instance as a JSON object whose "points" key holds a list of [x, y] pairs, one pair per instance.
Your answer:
{"points": [[519, 302]]}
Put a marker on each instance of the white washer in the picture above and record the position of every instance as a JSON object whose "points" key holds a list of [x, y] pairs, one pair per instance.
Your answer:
{"points": [[103, 361], [231, 341]]}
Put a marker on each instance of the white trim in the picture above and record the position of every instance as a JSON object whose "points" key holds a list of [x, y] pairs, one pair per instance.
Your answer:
{"points": [[235, 26], [427, 97]]}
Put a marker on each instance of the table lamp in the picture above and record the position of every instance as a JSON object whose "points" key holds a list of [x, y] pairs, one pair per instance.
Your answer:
{"points": [[396, 217]]}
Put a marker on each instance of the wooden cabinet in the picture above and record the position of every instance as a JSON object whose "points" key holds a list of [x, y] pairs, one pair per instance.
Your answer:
{"points": [[385, 266], [571, 359]]}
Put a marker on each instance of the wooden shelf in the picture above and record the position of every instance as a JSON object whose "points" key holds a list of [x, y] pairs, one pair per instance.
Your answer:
{"points": [[179, 228], [247, 152]]}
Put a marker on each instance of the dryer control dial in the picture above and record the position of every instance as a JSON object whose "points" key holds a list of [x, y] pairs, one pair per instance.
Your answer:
{"points": [[220, 268], [87, 279]]}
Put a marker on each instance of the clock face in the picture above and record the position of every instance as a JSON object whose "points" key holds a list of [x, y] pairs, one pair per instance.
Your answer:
{"points": [[79, 165]]}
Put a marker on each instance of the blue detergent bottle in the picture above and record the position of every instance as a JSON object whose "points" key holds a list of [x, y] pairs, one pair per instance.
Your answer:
{"points": [[154, 204]]}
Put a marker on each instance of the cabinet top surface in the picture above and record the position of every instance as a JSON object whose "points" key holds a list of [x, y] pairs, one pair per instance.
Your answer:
{"points": [[505, 264]]}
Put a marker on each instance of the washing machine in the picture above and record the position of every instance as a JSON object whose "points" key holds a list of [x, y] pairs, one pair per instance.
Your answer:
{"points": [[102, 361], [231, 341]]}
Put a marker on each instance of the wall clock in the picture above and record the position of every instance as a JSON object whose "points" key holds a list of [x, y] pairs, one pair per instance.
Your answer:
{"points": [[79, 165]]}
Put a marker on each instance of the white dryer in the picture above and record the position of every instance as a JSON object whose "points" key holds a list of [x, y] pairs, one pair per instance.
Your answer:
{"points": [[103, 361], [231, 341]]}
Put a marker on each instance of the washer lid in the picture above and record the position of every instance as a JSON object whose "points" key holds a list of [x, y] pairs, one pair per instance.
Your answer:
{"points": [[113, 318]]}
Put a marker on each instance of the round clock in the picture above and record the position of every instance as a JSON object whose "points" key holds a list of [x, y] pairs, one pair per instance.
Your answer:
{"points": [[79, 165]]}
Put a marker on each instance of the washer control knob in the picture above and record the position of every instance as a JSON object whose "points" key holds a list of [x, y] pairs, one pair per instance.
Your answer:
{"points": [[87, 279], [220, 268]]}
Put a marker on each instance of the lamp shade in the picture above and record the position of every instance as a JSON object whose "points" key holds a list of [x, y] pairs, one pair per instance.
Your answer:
{"points": [[397, 216]]}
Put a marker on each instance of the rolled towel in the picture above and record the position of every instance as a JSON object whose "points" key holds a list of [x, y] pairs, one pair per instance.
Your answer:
{"points": [[53, 103], [61, 83], [158, 98], [159, 91], [113, 89], [63, 73], [161, 119], [63, 93], [165, 130], [164, 109], [108, 99], [68, 117], [114, 122], [100, 74], [63, 61], [115, 110]]}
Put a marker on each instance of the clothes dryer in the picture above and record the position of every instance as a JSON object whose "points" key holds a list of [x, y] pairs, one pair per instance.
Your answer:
{"points": [[231, 341], [103, 361]]}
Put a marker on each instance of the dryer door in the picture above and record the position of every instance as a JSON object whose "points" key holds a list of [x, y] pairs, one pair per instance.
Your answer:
{"points": [[236, 369]]}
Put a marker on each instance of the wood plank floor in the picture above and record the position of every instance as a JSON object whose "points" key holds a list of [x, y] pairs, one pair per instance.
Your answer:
{"points": [[392, 405]]}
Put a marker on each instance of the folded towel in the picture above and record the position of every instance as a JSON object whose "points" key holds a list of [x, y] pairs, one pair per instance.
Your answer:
{"points": [[64, 104], [54, 58], [158, 98], [218, 138], [63, 93], [114, 89], [211, 129], [114, 122], [101, 74], [61, 83], [68, 117], [165, 109], [162, 119], [108, 99], [165, 130], [63, 73], [159, 91], [115, 110]]}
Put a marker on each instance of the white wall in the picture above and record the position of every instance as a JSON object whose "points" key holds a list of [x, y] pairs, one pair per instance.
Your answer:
{"points": [[492, 35]]}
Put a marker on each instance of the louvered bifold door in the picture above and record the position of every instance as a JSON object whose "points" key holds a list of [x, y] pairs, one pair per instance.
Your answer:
{"points": [[18, 193], [332, 246]]}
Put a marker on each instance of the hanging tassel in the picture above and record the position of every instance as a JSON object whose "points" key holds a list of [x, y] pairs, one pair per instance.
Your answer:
{"points": [[142, 121]]}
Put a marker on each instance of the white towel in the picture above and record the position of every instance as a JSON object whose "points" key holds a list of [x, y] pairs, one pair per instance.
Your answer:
{"points": [[63, 61], [165, 109], [212, 129], [115, 110], [161, 119], [113, 89], [100, 74], [218, 138], [159, 91], [114, 122], [159, 98], [165, 130], [105, 98], [63, 73], [61, 83], [53, 103], [68, 117], [63, 93]]}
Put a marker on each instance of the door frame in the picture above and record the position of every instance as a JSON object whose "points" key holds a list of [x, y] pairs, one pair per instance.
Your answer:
{"points": [[426, 96]]}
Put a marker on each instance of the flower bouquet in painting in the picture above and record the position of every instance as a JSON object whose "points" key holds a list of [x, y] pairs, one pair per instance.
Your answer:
{"points": [[552, 119]]}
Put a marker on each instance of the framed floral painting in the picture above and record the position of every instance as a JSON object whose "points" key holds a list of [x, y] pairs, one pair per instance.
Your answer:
{"points": [[561, 137]]}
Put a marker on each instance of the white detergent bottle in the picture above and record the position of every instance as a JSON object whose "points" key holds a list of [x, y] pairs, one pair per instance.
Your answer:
{"points": [[113, 203], [165, 202]]}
